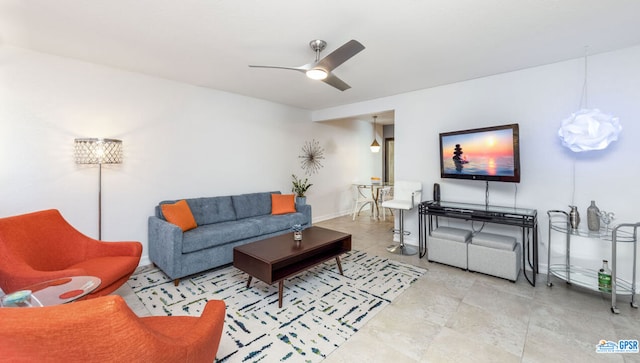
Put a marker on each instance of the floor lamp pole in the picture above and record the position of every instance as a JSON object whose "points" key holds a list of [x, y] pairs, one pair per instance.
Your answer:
{"points": [[100, 201], [92, 151]]}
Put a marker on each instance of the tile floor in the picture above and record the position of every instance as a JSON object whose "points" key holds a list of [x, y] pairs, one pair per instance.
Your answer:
{"points": [[450, 315]]}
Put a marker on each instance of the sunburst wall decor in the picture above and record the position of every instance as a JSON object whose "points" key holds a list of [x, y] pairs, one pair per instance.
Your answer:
{"points": [[312, 154]]}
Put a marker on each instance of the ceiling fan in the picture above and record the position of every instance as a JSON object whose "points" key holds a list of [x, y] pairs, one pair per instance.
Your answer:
{"points": [[321, 69]]}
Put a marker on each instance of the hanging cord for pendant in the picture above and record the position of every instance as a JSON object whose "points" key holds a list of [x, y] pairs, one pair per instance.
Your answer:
{"points": [[584, 103], [584, 98]]}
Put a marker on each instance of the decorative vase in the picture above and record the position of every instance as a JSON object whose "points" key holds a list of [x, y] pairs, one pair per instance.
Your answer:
{"points": [[301, 200], [593, 217], [297, 232], [574, 217]]}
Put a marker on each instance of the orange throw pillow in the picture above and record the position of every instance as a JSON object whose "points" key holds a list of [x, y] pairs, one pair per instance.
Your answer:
{"points": [[283, 203], [179, 214]]}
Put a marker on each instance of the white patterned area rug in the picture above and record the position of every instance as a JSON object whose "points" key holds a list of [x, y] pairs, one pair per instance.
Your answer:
{"points": [[321, 309]]}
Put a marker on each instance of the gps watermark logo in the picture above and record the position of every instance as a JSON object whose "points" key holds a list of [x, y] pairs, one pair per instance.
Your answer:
{"points": [[623, 346]]}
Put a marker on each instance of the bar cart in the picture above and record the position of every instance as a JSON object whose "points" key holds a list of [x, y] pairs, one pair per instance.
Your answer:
{"points": [[585, 277]]}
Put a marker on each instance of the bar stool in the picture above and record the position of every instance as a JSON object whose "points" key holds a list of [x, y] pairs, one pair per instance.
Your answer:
{"points": [[406, 195]]}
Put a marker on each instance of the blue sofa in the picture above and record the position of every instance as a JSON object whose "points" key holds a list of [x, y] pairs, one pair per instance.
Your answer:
{"points": [[223, 223]]}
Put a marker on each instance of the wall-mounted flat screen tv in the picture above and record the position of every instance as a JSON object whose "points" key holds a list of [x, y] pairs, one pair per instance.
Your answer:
{"points": [[488, 153]]}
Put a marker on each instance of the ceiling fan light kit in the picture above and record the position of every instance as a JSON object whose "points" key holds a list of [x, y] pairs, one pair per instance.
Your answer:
{"points": [[317, 74], [321, 69]]}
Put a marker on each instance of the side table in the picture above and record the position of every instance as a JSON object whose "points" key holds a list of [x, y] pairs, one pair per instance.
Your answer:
{"points": [[58, 291]]}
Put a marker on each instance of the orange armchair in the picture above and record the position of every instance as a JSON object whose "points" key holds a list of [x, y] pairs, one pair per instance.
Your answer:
{"points": [[42, 246], [106, 330]]}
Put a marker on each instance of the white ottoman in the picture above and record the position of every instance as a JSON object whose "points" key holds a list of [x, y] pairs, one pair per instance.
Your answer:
{"points": [[449, 246], [495, 255]]}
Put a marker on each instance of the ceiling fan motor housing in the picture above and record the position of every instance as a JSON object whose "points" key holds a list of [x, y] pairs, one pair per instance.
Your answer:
{"points": [[318, 45]]}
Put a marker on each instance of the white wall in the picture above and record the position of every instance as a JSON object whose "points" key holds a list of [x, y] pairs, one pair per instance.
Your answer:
{"points": [[538, 99], [348, 160], [187, 141], [179, 141]]}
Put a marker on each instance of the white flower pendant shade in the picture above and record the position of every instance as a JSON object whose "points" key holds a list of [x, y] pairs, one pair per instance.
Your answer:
{"points": [[589, 129]]}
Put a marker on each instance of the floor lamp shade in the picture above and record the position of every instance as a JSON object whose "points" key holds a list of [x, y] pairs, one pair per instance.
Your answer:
{"points": [[97, 152]]}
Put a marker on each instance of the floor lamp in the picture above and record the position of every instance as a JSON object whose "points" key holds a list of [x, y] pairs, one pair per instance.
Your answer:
{"points": [[98, 151]]}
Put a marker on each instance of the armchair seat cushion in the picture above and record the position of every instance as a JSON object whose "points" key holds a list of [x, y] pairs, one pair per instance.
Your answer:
{"points": [[108, 269]]}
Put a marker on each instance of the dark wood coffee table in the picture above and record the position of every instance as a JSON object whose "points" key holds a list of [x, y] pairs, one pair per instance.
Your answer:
{"points": [[277, 258]]}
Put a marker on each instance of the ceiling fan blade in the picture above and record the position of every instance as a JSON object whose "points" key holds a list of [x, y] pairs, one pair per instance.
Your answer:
{"points": [[340, 55], [336, 82], [299, 69]]}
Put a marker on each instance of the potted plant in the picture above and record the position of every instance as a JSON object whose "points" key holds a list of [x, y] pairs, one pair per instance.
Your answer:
{"points": [[300, 187]]}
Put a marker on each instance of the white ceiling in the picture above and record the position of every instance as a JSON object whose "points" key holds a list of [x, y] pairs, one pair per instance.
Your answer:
{"points": [[410, 44]]}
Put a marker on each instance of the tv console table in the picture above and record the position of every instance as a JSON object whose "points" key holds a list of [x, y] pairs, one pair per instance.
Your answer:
{"points": [[526, 219]]}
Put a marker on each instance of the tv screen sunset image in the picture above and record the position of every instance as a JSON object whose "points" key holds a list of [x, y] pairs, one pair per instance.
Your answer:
{"points": [[479, 153]]}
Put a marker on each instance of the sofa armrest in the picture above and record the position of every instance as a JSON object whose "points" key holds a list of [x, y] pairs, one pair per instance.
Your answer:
{"points": [[165, 246], [306, 210]]}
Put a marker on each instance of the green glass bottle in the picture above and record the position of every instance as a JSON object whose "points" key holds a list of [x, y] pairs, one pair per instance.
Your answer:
{"points": [[604, 277]]}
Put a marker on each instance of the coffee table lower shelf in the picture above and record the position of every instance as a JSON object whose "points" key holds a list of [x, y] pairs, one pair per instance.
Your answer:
{"points": [[278, 258], [293, 273]]}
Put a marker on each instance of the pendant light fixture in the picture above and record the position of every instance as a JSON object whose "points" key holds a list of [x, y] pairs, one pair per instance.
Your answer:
{"points": [[375, 147], [588, 129]]}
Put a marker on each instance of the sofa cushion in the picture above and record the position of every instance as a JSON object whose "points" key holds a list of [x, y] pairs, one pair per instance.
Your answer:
{"points": [[283, 203], [494, 241], [210, 235], [206, 210], [179, 214], [253, 204], [275, 223], [212, 209]]}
